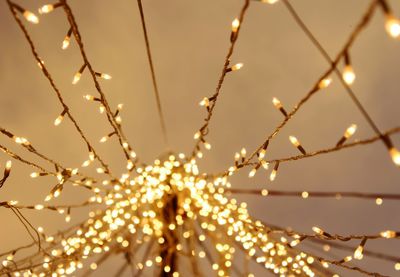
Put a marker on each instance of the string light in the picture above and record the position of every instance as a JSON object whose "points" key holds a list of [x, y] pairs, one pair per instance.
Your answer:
{"points": [[358, 253], [297, 144], [67, 39], [60, 118], [29, 16], [78, 75], [324, 83], [347, 134], [274, 172], [104, 76], [348, 73], [235, 67], [279, 106], [139, 204], [49, 8], [235, 25], [394, 153]]}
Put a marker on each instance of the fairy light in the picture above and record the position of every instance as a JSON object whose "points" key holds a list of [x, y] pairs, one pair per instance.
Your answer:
{"points": [[60, 118], [297, 144], [48, 8], [388, 234], [140, 203], [394, 153], [347, 134], [67, 40], [392, 26], [235, 67], [235, 25], [274, 172], [358, 253], [104, 76], [279, 106], [269, 1], [78, 75], [324, 83], [205, 102], [348, 74]]}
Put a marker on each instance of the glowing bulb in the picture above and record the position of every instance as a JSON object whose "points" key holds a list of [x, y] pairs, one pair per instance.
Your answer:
{"points": [[324, 83], [388, 234], [104, 139], [65, 42], [273, 175], [8, 165], [46, 9], [105, 76], [252, 173], [276, 103], [31, 17], [34, 175], [77, 77], [395, 154], [294, 141], [392, 26], [348, 75], [58, 120], [358, 254], [205, 102], [269, 1], [350, 131], [89, 97], [318, 230], [237, 66], [235, 25]]}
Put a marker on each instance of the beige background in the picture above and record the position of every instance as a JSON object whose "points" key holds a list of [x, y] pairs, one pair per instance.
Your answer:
{"points": [[190, 40]]}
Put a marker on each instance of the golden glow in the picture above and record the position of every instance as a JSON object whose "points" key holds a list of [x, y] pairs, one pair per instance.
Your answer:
{"points": [[276, 103], [350, 131], [46, 9], [235, 25], [31, 17], [65, 42], [395, 154], [237, 66], [76, 78], [392, 26], [294, 141], [348, 75], [324, 83]]}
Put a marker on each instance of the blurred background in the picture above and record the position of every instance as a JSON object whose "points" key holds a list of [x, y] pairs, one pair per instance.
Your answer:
{"points": [[189, 42]]}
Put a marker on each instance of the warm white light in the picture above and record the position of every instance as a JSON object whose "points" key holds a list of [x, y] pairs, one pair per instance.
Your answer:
{"points": [[46, 9], [348, 75], [31, 17], [235, 25], [392, 26], [395, 154]]}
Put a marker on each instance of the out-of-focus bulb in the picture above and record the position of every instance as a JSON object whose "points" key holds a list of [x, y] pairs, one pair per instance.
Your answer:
{"points": [[46, 9], [392, 26], [395, 154], [237, 66], [77, 77], [269, 1], [324, 83], [348, 75], [31, 17], [65, 42]]}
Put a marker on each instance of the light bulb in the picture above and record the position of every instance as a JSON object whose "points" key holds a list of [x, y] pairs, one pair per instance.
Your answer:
{"points": [[31, 17], [348, 75], [392, 26]]}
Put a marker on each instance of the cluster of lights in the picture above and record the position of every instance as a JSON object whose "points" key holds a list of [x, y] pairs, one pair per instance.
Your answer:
{"points": [[169, 202]]}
